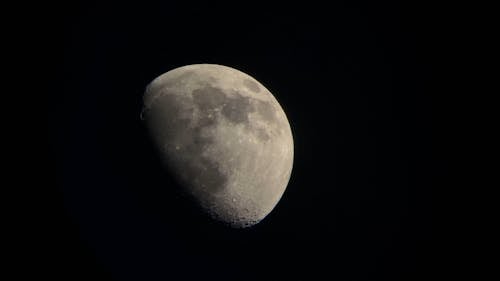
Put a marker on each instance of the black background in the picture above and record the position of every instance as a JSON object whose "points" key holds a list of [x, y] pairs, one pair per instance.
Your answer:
{"points": [[358, 81]]}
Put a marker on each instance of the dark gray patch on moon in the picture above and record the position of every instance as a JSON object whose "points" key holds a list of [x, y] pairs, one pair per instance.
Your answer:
{"points": [[262, 134], [208, 98], [237, 108], [251, 85]]}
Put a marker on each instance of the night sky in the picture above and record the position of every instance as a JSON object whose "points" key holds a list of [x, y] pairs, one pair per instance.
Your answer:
{"points": [[357, 81]]}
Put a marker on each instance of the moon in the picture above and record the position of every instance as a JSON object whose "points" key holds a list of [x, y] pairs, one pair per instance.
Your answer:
{"points": [[224, 136]]}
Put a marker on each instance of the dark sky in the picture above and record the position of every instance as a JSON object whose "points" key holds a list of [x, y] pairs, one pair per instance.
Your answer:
{"points": [[358, 83]]}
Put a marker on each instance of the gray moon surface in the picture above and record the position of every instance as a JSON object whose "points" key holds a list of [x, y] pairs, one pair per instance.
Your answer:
{"points": [[224, 136]]}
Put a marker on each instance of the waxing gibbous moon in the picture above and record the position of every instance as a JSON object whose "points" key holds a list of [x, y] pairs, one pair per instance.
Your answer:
{"points": [[224, 136]]}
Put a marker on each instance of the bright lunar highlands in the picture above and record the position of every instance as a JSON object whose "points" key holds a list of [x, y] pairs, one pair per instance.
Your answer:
{"points": [[224, 136]]}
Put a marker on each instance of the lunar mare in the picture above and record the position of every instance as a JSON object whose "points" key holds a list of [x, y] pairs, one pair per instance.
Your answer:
{"points": [[224, 136]]}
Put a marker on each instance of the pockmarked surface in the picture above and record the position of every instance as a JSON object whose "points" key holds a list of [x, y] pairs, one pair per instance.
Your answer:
{"points": [[224, 136]]}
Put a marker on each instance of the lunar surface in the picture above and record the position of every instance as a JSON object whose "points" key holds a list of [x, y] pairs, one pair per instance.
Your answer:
{"points": [[224, 136]]}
